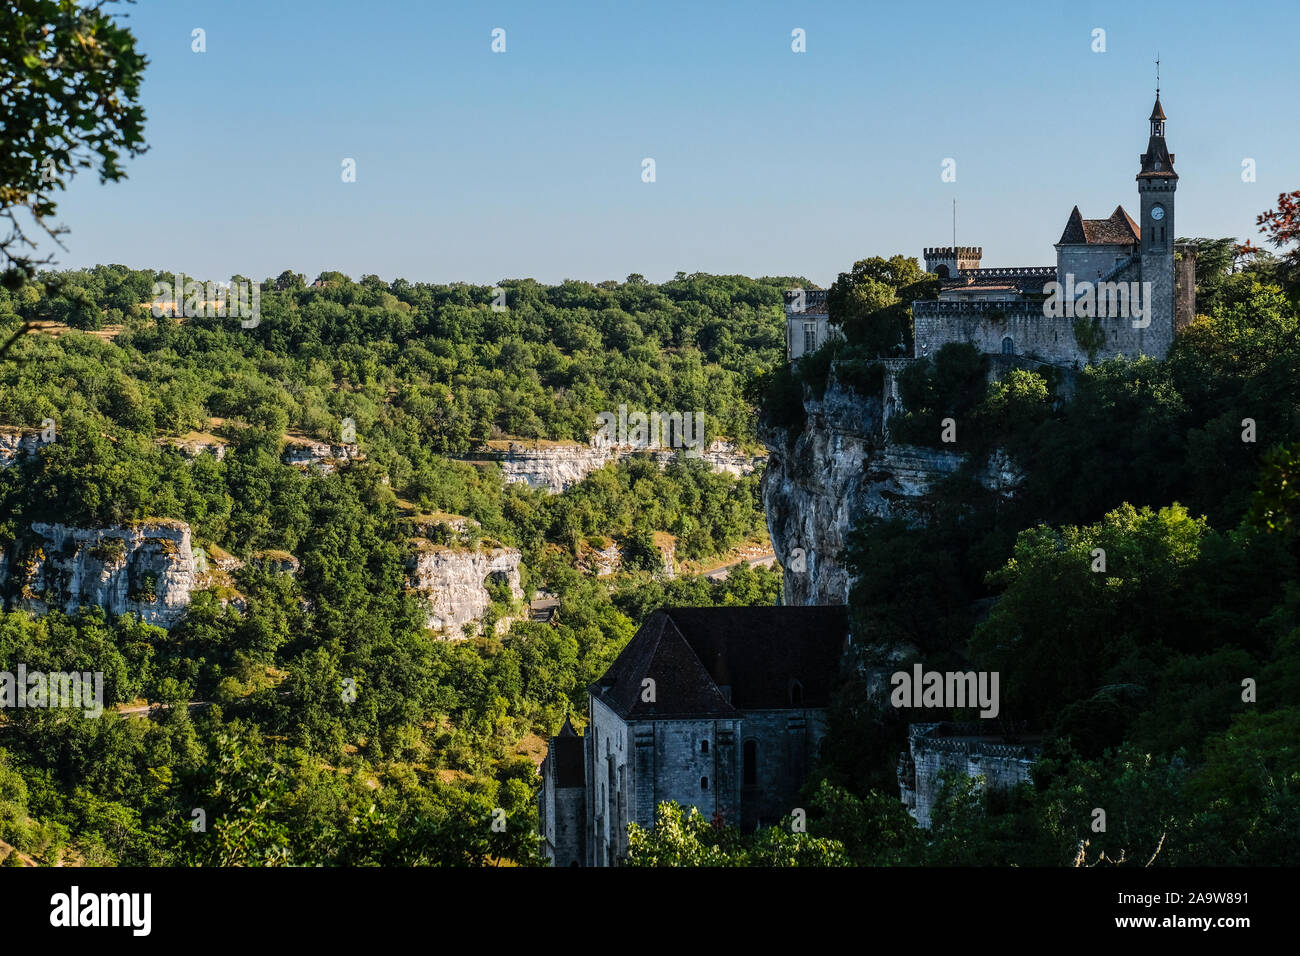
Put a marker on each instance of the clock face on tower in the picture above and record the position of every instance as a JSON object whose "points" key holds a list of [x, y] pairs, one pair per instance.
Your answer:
{"points": [[1157, 213]]}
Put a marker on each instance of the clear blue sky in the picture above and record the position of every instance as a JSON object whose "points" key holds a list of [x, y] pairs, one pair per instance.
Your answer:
{"points": [[477, 166]]}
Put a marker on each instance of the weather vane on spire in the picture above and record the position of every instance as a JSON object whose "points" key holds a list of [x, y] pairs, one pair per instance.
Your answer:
{"points": [[1157, 74]]}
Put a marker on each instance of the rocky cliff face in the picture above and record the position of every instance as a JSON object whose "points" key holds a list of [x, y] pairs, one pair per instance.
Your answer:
{"points": [[194, 445], [557, 467], [553, 467], [146, 568], [453, 582], [18, 442], [838, 468], [150, 568], [322, 457]]}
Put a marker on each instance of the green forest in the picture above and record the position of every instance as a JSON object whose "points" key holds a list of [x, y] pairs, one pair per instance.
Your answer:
{"points": [[253, 728]]}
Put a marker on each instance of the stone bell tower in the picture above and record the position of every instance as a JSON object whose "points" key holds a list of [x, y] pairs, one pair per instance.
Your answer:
{"points": [[1157, 182]]}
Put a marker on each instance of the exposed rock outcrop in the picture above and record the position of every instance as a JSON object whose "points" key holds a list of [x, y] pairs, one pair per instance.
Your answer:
{"points": [[195, 444], [277, 562], [724, 456], [215, 571], [321, 456], [145, 567], [554, 467], [603, 561], [840, 466], [150, 568], [557, 466], [17, 442], [453, 582]]}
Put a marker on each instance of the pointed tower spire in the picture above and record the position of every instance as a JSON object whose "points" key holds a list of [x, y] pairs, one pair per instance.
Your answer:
{"points": [[1157, 111], [1157, 161]]}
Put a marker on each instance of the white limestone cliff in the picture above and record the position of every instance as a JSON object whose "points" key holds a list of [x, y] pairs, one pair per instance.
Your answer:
{"points": [[144, 567], [557, 466], [453, 582], [841, 466], [18, 442]]}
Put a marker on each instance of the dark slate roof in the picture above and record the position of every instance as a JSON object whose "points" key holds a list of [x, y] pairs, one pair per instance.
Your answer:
{"points": [[682, 686], [814, 301], [757, 652], [1157, 161], [1119, 229], [567, 757]]}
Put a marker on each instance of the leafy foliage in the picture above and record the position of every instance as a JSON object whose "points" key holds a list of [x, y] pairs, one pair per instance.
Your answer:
{"points": [[70, 99], [251, 723]]}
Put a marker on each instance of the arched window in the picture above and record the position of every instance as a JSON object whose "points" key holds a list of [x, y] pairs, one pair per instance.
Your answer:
{"points": [[751, 763], [941, 272], [796, 694], [704, 783], [1008, 346], [704, 746]]}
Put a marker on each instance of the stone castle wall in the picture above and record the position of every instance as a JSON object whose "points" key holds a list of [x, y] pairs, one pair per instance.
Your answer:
{"points": [[786, 746], [633, 767], [986, 324], [1034, 334], [1088, 263], [1002, 765], [614, 793], [563, 820]]}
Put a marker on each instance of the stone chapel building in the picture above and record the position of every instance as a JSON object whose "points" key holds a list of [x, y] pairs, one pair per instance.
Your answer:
{"points": [[722, 708]]}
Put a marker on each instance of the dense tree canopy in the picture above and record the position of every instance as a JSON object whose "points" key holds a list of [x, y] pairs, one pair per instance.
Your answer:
{"points": [[251, 724]]}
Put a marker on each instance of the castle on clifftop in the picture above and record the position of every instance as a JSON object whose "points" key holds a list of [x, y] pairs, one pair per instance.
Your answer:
{"points": [[1119, 287]]}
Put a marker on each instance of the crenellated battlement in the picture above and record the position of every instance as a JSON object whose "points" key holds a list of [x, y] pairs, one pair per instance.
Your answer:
{"points": [[811, 296], [929, 307], [973, 748], [970, 748], [954, 252], [1012, 272]]}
